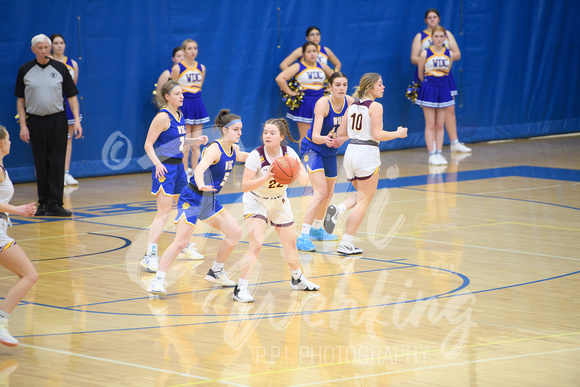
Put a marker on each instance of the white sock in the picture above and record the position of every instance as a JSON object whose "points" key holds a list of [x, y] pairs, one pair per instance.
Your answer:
{"points": [[455, 142], [242, 283], [438, 152], [306, 228], [152, 248], [317, 224], [296, 273], [340, 208], [431, 153], [347, 239], [160, 275], [66, 172], [217, 266], [4, 314]]}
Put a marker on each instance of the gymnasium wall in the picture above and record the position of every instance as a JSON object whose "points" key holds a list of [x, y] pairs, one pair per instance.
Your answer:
{"points": [[516, 77]]}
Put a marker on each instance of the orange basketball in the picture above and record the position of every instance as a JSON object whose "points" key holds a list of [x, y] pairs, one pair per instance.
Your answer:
{"points": [[285, 169]]}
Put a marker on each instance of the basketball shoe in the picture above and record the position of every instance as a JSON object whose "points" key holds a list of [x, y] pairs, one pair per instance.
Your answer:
{"points": [[220, 278]]}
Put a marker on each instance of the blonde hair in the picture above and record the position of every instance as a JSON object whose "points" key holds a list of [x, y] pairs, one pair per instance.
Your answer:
{"points": [[3, 132], [366, 83], [282, 126], [186, 42], [438, 28], [160, 99]]}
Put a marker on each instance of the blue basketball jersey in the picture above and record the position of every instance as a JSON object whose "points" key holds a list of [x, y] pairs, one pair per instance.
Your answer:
{"points": [[330, 124], [217, 174], [169, 144]]}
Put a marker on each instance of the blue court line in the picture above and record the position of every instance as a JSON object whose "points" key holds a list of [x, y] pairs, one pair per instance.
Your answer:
{"points": [[562, 174]]}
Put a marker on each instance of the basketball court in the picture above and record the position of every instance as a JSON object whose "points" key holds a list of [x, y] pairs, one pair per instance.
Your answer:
{"points": [[469, 276]]}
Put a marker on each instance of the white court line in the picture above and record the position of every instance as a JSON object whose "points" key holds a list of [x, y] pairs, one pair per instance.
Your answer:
{"points": [[438, 366], [124, 363]]}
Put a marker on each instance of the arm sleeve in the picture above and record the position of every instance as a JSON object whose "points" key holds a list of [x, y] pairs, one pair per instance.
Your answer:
{"points": [[19, 89]]}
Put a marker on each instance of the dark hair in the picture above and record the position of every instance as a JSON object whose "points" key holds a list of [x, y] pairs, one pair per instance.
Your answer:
{"points": [[336, 74], [176, 50], [432, 10], [54, 36], [223, 118], [282, 126], [305, 46], [310, 29], [166, 88]]}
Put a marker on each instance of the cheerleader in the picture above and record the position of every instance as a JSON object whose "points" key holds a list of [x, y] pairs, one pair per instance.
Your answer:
{"points": [[191, 74], [434, 96], [420, 43], [177, 57], [318, 150], [265, 201], [58, 47], [325, 54], [12, 257], [164, 145], [311, 76], [362, 159], [197, 201]]}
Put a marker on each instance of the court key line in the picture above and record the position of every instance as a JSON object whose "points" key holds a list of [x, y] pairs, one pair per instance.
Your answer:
{"points": [[124, 363]]}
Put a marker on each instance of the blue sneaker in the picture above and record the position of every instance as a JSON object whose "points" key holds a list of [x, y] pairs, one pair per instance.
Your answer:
{"points": [[321, 235], [303, 243]]}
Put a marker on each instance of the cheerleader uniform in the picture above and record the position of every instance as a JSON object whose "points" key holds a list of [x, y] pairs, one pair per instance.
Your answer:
{"points": [[312, 81], [319, 156], [434, 92], [269, 201], [194, 204], [190, 80], [322, 55], [69, 115], [169, 149], [426, 42], [6, 193]]}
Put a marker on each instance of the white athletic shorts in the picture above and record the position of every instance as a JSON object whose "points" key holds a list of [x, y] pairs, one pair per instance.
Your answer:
{"points": [[5, 240], [276, 210], [361, 161]]}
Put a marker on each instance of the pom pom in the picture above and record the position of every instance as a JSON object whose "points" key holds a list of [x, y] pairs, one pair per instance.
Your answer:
{"points": [[413, 91], [293, 102]]}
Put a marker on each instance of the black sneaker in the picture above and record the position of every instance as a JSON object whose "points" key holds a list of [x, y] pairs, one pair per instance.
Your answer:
{"points": [[57, 210], [41, 210]]}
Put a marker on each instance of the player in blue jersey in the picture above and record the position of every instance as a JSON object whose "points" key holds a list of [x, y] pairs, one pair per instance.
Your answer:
{"points": [[58, 47], [420, 43], [311, 76], [325, 54], [177, 57], [434, 96], [197, 201], [191, 74], [265, 201], [318, 151], [164, 145]]}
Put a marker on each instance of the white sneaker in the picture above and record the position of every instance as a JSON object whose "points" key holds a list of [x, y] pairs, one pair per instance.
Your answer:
{"points": [[460, 147], [349, 249], [157, 287], [242, 294], [150, 262], [442, 160], [302, 283], [219, 278], [190, 252], [69, 180], [5, 337]]}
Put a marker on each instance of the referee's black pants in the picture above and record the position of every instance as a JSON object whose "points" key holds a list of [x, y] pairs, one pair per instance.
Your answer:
{"points": [[48, 138]]}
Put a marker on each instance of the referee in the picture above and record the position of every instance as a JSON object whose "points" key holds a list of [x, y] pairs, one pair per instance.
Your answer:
{"points": [[41, 86]]}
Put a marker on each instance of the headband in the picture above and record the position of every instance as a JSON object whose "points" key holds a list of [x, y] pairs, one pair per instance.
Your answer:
{"points": [[232, 122]]}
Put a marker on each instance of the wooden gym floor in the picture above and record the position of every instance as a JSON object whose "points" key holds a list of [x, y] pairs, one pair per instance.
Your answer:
{"points": [[469, 276]]}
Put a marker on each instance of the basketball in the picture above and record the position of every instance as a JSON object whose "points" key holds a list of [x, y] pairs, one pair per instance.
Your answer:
{"points": [[285, 169]]}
